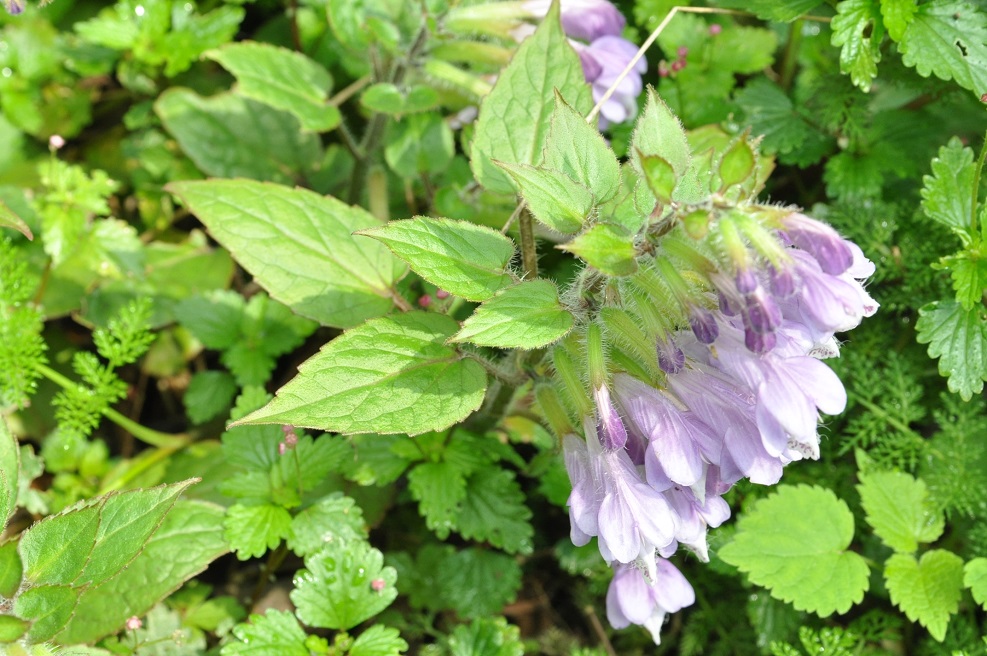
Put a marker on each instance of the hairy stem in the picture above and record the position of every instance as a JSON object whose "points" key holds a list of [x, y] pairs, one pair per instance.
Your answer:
{"points": [[529, 250]]}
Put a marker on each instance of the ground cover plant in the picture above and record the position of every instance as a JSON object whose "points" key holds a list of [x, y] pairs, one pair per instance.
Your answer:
{"points": [[489, 328]]}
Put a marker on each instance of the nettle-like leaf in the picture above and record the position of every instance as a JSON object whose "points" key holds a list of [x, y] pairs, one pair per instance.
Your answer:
{"points": [[439, 488], [462, 258], [252, 530], [927, 590], [949, 40], [390, 375], [795, 543], [947, 194], [283, 79], [342, 585], [958, 338], [379, 640], [494, 511], [897, 15], [299, 246], [334, 517], [275, 633], [771, 113], [969, 275], [528, 315], [859, 29], [658, 132], [898, 509], [578, 150], [486, 637], [975, 578], [516, 115]]}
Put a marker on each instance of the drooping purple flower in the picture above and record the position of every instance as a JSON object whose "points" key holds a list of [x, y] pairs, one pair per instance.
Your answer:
{"points": [[815, 237], [828, 303], [14, 7], [587, 494], [583, 19], [605, 59], [703, 325], [613, 435], [632, 599]]}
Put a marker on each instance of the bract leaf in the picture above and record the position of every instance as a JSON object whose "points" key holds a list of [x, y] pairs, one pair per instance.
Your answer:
{"points": [[606, 247], [528, 315], [659, 132]]}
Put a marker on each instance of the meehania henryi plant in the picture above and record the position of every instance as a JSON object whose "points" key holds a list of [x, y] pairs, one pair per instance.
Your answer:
{"points": [[316, 319]]}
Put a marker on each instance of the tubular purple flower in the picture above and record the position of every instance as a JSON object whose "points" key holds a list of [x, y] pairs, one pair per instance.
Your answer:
{"points": [[820, 240], [671, 359], [703, 325], [761, 313], [14, 7], [613, 435], [829, 303], [587, 492], [582, 19], [632, 599], [611, 55]]}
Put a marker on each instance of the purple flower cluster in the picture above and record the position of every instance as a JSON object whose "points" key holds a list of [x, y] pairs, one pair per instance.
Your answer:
{"points": [[739, 395]]}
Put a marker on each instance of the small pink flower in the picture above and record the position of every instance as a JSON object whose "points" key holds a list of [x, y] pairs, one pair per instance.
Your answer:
{"points": [[56, 142], [715, 29], [378, 584], [134, 623], [425, 300], [441, 294], [682, 52]]}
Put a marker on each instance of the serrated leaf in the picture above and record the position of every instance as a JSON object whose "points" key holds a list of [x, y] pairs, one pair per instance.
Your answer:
{"points": [[897, 15], [462, 258], [515, 116], [390, 375], [770, 113], [252, 530], [658, 132], [898, 509], [948, 40], [480, 583], [9, 470], [56, 549], [10, 219], [230, 136], [209, 393], [528, 315], [494, 511], [958, 338], [969, 278], [275, 633], [189, 538], [378, 640], [335, 517], [311, 460], [439, 488], [311, 261], [859, 29], [928, 590], [553, 197], [975, 578], [488, 636], [948, 192], [48, 607], [283, 79], [606, 247], [342, 585], [795, 543], [578, 150]]}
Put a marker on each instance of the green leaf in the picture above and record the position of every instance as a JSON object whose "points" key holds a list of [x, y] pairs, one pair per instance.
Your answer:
{"points": [[494, 511], [9, 468], [578, 150], [488, 636], [606, 247], [858, 29], [948, 192], [928, 590], [969, 274], [310, 260], [958, 338], [48, 607], [56, 549], [462, 258], [897, 15], [898, 509], [342, 585], [11, 569], [390, 375], [283, 79], [439, 488], [209, 393], [528, 315], [783, 11], [975, 578], [10, 219], [737, 163], [516, 115], [949, 40], [480, 583], [189, 538], [386, 98], [378, 640], [794, 542], [770, 113], [12, 628], [332, 518], [417, 144], [275, 633], [252, 530], [553, 197], [229, 136], [658, 132]]}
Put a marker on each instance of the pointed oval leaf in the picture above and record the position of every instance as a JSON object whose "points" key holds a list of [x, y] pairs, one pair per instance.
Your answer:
{"points": [[606, 247], [11, 569], [462, 258], [578, 150], [553, 197], [9, 219], [659, 132], [528, 315], [390, 375], [658, 175], [299, 246], [48, 607], [738, 163]]}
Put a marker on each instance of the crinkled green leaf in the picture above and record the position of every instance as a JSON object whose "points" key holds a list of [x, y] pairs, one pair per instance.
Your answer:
{"points": [[460, 257], [948, 192], [898, 509], [488, 636], [378, 640], [770, 113], [283, 79], [927, 590], [275, 633], [390, 375], [528, 315], [335, 517], [480, 583], [795, 543], [975, 578], [229, 136], [659, 132], [897, 15], [494, 511], [859, 29], [311, 262], [312, 459], [439, 488], [553, 197], [342, 585], [252, 530], [579, 151], [516, 115], [949, 40], [606, 247], [48, 607], [958, 338]]}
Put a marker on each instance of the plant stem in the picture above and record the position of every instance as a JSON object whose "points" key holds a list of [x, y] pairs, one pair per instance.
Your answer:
{"points": [[529, 250], [790, 57], [976, 186], [274, 560]]}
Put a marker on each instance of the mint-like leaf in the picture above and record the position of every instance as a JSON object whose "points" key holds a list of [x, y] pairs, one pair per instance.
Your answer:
{"points": [[486, 637], [794, 542], [579, 151], [948, 192], [927, 590], [494, 511], [858, 28], [528, 315], [659, 132], [898, 509], [958, 338], [275, 633], [214, 317], [969, 274], [606, 247], [553, 197], [949, 40], [334, 517], [252, 530], [378, 640], [439, 488]]}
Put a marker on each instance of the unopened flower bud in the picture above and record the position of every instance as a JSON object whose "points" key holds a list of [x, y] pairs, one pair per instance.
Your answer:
{"points": [[682, 52], [14, 7], [441, 294], [715, 29], [133, 623], [424, 300], [378, 584], [56, 141]]}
